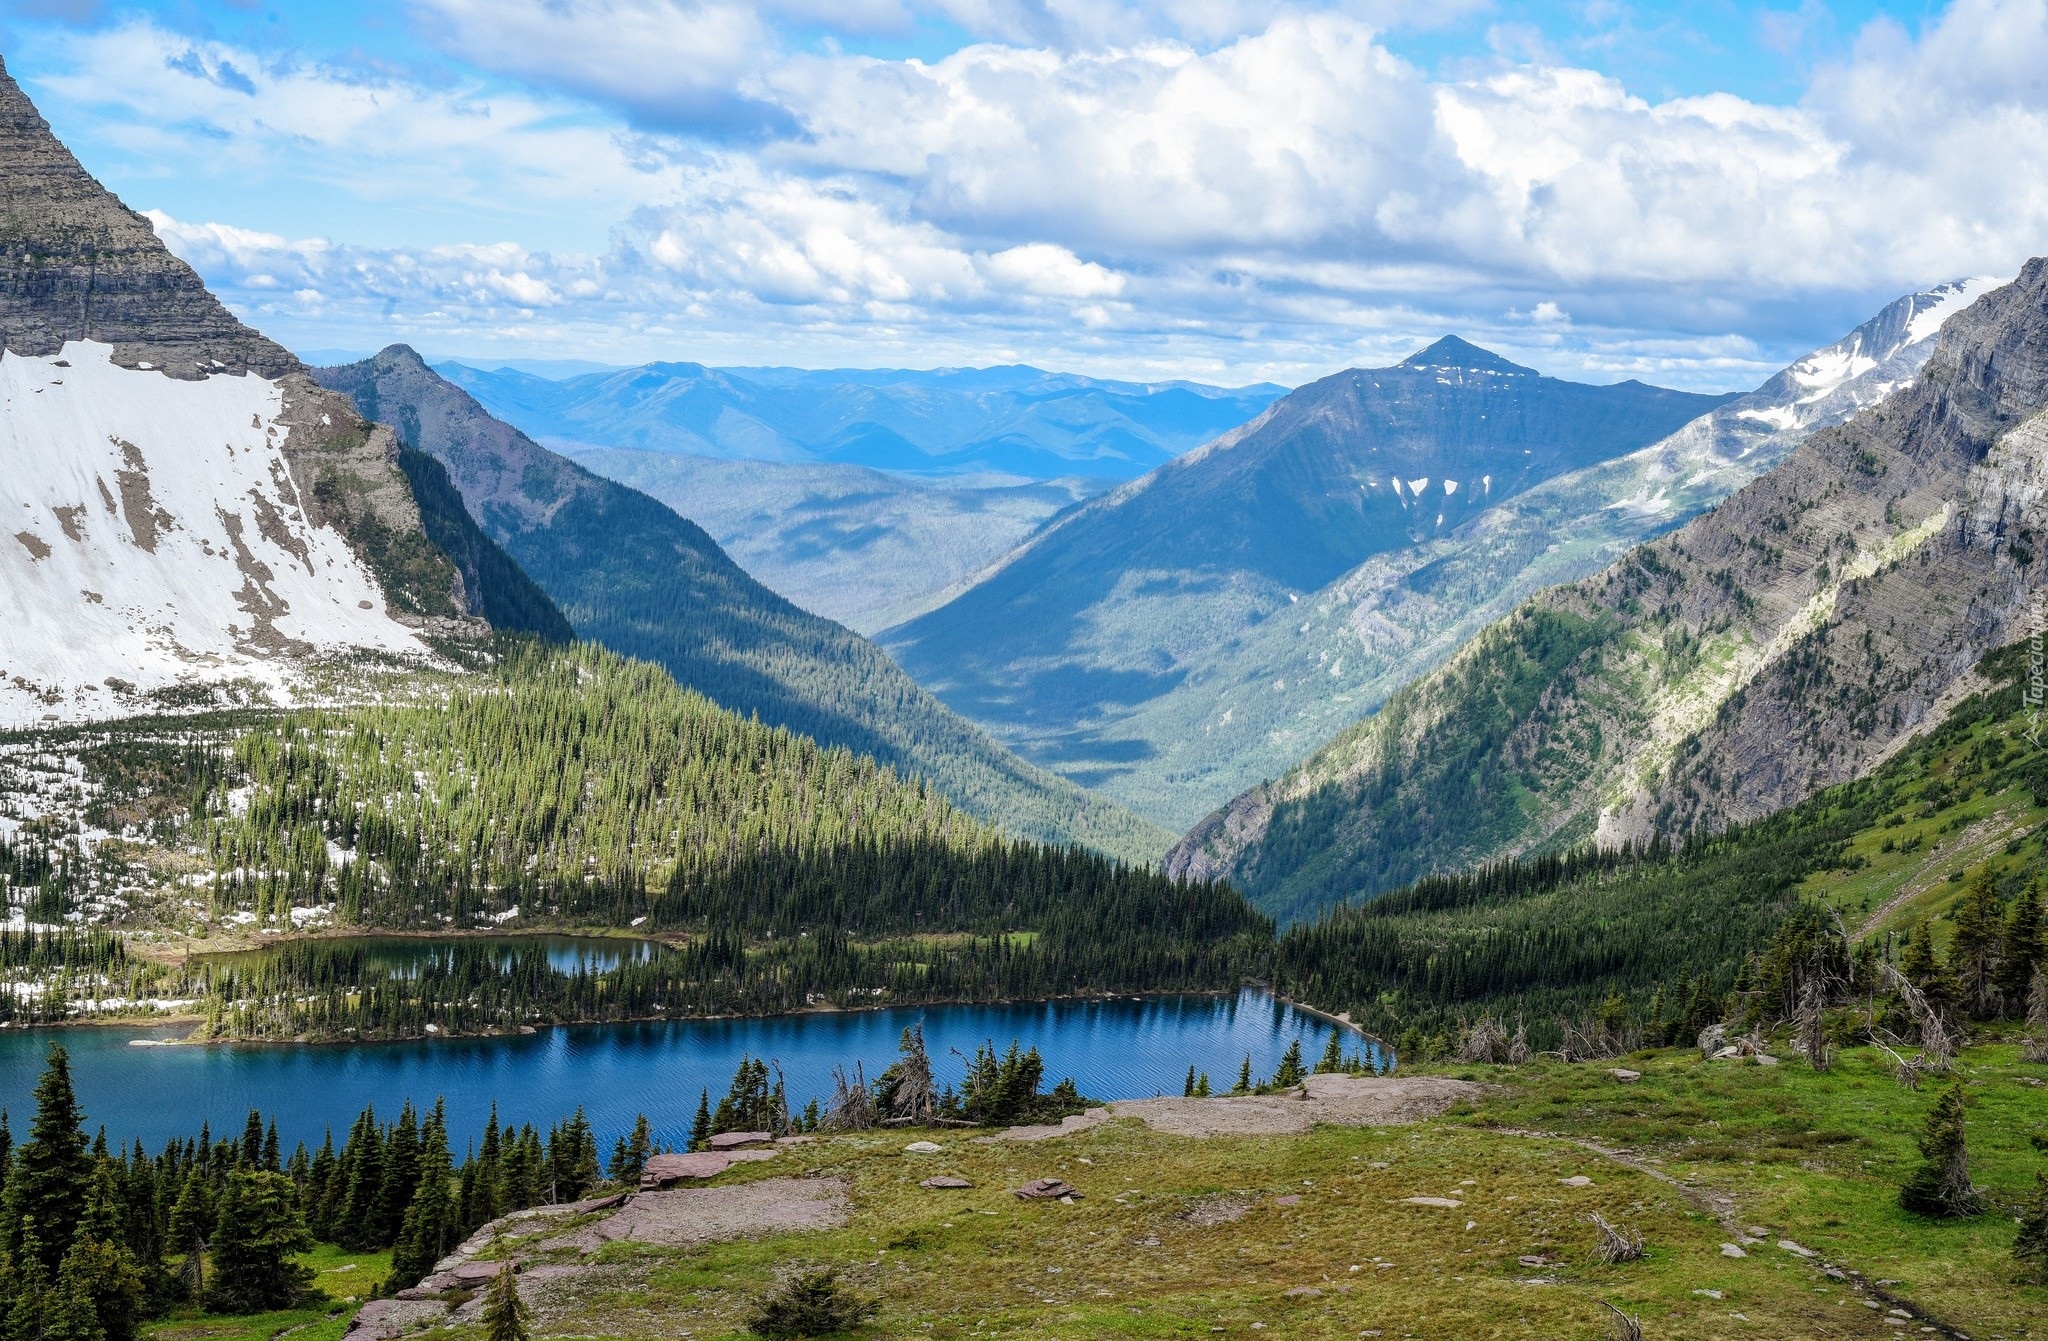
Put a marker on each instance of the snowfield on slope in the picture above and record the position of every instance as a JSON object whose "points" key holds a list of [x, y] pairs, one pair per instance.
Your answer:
{"points": [[151, 536]]}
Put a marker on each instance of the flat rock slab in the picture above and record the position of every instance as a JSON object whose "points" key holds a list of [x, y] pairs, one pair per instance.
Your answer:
{"points": [[943, 1184], [739, 1140], [696, 1167], [1045, 1131], [1443, 1202], [707, 1214], [1333, 1100], [382, 1319]]}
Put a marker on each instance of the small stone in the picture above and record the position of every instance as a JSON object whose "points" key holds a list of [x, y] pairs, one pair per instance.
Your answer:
{"points": [[1445, 1202], [1304, 1292], [1577, 1180], [1757, 1232], [1711, 1294], [923, 1148], [1624, 1075], [1795, 1249], [1291, 1199], [1045, 1189], [1536, 1260], [1730, 1250], [945, 1184], [1765, 1059]]}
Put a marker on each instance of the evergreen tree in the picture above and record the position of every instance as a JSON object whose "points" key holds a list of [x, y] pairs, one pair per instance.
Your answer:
{"points": [[629, 1155], [432, 1221], [700, 1127], [318, 1199], [1333, 1055], [68, 1312], [1940, 1187], [252, 1142], [255, 1239], [2021, 951], [2031, 1248], [51, 1169], [1291, 1071], [1973, 951], [1928, 973], [191, 1224], [1202, 1085], [401, 1175], [505, 1314], [1187, 1089], [1244, 1077], [361, 1211], [105, 1278]]}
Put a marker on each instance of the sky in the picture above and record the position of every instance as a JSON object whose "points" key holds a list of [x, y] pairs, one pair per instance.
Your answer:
{"points": [[1225, 190]]}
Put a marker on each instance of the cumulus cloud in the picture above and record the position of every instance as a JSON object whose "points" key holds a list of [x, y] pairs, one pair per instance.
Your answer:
{"points": [[1252, 181]]}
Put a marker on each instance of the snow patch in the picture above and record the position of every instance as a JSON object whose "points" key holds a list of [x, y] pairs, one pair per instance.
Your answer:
{"points": [[166, 543]]}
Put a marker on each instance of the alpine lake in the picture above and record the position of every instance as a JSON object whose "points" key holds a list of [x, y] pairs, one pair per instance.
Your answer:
{"points": [[145, 1081]]}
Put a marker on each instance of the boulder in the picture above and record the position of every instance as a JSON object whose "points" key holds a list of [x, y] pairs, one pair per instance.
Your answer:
{"points": [[1624, 1075], [1046, 1189], [1713, 1038], [923, 1148]]}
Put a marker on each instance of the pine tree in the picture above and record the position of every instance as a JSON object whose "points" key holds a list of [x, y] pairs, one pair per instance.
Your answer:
{"points": [[1333, 1055], [51, 1169], [1940, 1187], [700, 1127], [505, 1314], [2031, 1248], [1973, 951], [1202, 1085], [401, 1175], [193, 1217], [1929, 974], [1244, 1077], [2020, 951], [252, 1141], [68, 1313], [104, 1276], [1291, 1070], [430, 1229], [256, 1236], [359, 1214], [1187, 1090], [629, 1156]]}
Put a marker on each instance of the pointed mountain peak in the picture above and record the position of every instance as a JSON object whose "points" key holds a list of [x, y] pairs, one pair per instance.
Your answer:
{"points": [[1452, 352], [77, 264]]}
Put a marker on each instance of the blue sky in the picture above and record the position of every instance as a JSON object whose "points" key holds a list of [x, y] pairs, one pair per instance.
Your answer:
{"points": [[1233, 190]]}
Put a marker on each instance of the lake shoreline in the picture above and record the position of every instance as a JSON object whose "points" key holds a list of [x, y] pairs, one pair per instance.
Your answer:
{"points": [[440, 1035]]}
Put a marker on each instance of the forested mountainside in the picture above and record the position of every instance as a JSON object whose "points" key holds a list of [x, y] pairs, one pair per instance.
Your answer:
{"points": [[196, 515], [868, 548], [950, 421], [573, 787], [1114, 605], [1942, 845], [1785, 642], [1251, 706], [633, 575]]}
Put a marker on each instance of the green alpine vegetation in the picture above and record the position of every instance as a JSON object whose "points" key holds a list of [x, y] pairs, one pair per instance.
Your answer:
{"points": [[1788, 641], [1943, 843], [562, 787], [634, 576]]}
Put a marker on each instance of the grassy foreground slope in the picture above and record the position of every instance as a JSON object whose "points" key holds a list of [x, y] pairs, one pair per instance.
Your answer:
{"points": [[1313, 1236]]}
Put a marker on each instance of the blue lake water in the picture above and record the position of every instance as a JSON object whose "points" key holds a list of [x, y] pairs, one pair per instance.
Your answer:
{"points": [[1120, 1049]]}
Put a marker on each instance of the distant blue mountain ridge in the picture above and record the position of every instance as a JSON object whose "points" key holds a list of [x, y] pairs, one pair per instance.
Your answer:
{"points": [[1014, 420]]}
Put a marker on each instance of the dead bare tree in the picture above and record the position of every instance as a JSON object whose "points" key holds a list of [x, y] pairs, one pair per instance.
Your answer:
{"points": [[2036, 1047], [851, 1109], [1625, 1327], [1486, 1041], [914, 1101], [1938, 1043], [1518, 1046], [1617, 1244]]}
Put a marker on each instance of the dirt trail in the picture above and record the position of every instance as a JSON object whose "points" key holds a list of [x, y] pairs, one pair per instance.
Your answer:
{"points": [[1329, 1100]]}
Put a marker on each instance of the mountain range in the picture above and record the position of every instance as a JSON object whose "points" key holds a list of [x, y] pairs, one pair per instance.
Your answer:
{"points": [[632, 574], [1112, 608], [1016, 420], [1788, 640], [868, 548], [1250, 707]]}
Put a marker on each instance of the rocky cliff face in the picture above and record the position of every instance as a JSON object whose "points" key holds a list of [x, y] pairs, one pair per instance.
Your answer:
{"points": [[1784, 642], [193, 509], [76, 264]]}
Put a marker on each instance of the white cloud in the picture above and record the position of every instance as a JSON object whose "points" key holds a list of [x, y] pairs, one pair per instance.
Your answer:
{"points": [[1223, 179]]}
